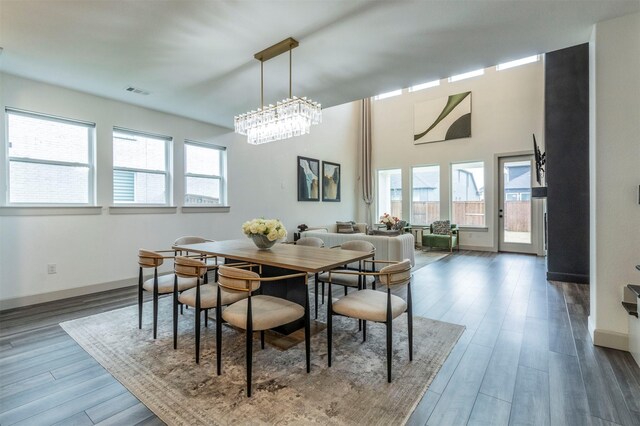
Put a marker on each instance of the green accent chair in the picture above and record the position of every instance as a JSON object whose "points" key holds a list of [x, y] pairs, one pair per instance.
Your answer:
{"points": [[442, 240]]}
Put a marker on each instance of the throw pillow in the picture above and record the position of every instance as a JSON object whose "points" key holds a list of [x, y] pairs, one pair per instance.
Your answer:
{"points": [[384, 232], [346, 227], [441, 227]]}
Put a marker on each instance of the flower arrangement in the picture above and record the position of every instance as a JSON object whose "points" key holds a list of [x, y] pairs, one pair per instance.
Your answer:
{"points": [[389, 220], [273, 229]]}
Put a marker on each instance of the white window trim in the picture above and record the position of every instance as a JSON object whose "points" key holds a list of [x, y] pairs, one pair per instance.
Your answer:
{"points": [[221, 177], [168, 146], [91, 164]]}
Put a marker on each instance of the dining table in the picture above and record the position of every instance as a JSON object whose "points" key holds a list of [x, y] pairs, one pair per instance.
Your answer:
{"points": [[281, 259]]}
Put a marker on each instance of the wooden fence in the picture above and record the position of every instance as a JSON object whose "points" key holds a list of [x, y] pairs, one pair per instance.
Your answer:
{"points": [[469, 213], [517, 216], [425, 212]]}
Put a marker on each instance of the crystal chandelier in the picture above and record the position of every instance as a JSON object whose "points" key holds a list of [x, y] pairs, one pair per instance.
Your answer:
{"points": [[290, 117]]}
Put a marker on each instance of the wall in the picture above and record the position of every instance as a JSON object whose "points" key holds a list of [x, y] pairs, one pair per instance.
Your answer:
{"points": [[507, 107], [98, 251], [615, 176], [567, 167]]}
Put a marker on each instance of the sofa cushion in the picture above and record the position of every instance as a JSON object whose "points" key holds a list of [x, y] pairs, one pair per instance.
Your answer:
{"points": [[346, 227], [441, 227]]}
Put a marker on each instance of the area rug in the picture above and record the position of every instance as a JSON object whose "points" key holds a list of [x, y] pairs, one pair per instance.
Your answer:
{"points": [[424, 258], [180, 392]]}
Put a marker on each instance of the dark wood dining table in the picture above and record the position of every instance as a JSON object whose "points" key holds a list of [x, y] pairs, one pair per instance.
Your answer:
{"points": [[281, 259]]}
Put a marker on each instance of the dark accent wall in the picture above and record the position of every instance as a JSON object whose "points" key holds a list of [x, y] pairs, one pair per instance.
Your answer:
{"points": [[567, 170]]}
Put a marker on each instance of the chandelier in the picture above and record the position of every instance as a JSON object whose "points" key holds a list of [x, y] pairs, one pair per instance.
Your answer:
{"points": [[290, 117]]}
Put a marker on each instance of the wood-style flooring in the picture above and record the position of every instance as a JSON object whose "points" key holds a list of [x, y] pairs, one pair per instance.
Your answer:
{"points": [[525, 357]]}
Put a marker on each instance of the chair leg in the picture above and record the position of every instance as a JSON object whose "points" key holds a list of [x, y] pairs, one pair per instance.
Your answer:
{"points": [[389, 351], [197, 326], [261, 339], [140, 298], [345, 290], [307, 332], [316, 296], [181, 311], [206, 318], [364, 331], [329, 326], [323, 292], [155, 304], [219, 335], [410, 321], [175, 312], [249, 348]]}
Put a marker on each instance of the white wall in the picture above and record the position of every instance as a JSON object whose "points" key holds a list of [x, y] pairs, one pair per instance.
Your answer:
{"points": [[614, 174], [507, 107], [97, 249]]}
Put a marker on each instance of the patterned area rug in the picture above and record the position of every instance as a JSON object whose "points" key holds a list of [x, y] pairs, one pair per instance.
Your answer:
{"points": [[353, 391], [424, 258]]}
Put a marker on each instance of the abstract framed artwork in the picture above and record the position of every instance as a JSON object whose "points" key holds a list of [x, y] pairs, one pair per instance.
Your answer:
{"points": [[330, 181], [308, 183], [442, 119]]}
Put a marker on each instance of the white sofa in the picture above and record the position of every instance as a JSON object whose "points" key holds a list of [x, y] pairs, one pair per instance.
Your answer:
{"points": [[387, 248]]}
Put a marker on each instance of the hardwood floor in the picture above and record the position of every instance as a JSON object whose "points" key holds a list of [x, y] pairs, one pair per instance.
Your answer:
{"points": [[525, 357]]}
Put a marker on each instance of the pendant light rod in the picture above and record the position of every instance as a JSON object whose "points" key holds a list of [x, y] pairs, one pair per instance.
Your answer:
{"points": [[277, 49], [261, 84], [289, 73]]}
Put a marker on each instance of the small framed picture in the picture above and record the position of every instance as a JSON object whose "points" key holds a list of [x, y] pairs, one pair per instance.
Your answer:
{"points": [[330, 181], [308, 183]]}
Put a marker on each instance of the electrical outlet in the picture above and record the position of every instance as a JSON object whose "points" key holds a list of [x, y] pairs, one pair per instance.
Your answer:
{"points": [[52, 268]]}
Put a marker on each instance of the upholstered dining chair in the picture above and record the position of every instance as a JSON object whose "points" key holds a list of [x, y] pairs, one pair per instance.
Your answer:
{"points": [[202, 297], [211, 261], [313, 242], [373, 305], [349, 280], [157, 285], [257, 313]]}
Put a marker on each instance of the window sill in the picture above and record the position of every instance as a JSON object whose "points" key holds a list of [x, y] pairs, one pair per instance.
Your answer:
{"points": [[205, 209], [143, 209], [49, 210], [473, 228]]}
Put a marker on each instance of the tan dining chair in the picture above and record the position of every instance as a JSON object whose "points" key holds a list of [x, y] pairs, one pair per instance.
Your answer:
{"points": [[157, 285], [313, 242], [257, 313], [349, 280], [202, 297], [211, 261], [376, 306]]}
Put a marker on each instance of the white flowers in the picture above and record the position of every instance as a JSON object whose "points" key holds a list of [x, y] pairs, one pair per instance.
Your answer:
{"points": [[273, 229]]}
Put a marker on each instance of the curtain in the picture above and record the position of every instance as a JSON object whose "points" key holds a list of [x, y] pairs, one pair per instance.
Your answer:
{"points": [[366, 177]]}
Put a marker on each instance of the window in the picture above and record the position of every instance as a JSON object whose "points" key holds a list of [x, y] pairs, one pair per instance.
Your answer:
{"points": [[425, 194], [204, 168], [423, 86], [467, 194], [388, 94], [466, 75], [50, 159], [518, 62], [141, 164], [390, 192]]}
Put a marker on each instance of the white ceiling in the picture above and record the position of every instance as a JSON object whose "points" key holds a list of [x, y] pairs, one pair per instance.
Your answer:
{"points": [[196, 57]]}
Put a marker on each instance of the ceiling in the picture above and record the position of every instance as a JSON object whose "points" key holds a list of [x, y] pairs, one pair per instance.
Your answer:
{"points": [[196, 57]]}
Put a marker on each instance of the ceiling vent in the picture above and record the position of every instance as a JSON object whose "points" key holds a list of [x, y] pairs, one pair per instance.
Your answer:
{"points": [[136, 90]]}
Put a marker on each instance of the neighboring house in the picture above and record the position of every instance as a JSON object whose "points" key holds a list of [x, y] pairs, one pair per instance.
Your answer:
{"points": [[426, 186], [464, 187], [517, 183]]}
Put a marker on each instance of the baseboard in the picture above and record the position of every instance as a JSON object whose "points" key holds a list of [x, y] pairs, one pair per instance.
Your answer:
{"points": [[476, 248], [35, 299], [568, 278], [608, 338]]}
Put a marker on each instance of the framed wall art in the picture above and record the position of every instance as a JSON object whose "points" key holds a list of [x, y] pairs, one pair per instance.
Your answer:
{"points": [[308, 183], [442, 119], [330, 181]]}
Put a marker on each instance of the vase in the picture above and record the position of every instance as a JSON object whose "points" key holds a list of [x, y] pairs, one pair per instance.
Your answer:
{"points": [[389, 226], [262, 242]]}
